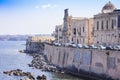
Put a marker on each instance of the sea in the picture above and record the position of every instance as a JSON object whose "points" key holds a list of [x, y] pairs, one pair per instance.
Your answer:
{"points": [[12, 59]]}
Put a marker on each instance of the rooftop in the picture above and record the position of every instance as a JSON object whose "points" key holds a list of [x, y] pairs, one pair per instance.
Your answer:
{"points": [[109, 7]]}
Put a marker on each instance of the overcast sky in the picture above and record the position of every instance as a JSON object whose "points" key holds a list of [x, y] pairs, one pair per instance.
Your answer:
{"points": [[41, 16]]}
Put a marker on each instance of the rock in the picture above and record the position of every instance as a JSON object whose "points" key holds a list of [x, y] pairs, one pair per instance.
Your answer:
{"points": [[30, 65], [16, 73], [30, 75], [39, 62], [39, 77], [43, 77], [6, 72], [28, 79]]}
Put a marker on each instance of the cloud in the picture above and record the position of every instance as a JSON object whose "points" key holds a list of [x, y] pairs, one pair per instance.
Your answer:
{"points": [[48, 6]]}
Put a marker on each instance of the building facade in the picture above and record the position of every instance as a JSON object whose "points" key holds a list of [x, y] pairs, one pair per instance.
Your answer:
{"points": [[66, 33], [48, 39], [107, 26], [82, 30], [36, 43], [58, 33], [74, 29]]}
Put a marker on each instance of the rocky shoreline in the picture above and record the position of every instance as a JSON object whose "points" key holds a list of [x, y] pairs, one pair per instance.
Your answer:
{"points": [[25, 75], [39, 62]]}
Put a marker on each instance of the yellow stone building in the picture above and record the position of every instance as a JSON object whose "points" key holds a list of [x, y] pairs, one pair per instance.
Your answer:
{"points": [[75, 29], [41, 38]]}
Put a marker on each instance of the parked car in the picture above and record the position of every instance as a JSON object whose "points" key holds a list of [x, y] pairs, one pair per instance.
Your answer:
{"points": [[101, 47], [116, 47], [85, 46], [79, 45], [72, 44], [109, 48], [67, 44], [57, 44], [92, 47]]}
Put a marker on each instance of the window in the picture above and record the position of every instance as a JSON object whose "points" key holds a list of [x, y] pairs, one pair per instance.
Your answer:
{"points": [[97, 25], [107, 24], [72, 39], [112, 26], [80, 31], [77, 41], [102, 25], [115, 36], [118, 21], [113, 23], [83, 29], [83, 40], [74, 31], [60, 30]]}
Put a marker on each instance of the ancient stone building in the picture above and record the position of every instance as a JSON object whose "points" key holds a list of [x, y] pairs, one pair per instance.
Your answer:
{"points": [[66, 33], [107, 25], [41, 39], [82, 30], [36, 43], [77, 29], [58, 33]]}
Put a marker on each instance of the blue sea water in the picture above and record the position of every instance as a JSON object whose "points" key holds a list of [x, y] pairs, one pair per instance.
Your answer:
{"points": [[11, 59]]}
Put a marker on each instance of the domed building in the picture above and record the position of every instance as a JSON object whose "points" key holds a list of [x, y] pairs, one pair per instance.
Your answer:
{"points": [[109, 7], [107, 25]]}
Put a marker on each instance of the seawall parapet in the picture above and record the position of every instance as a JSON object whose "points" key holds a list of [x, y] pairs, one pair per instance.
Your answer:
{"points": [[104, 64]]}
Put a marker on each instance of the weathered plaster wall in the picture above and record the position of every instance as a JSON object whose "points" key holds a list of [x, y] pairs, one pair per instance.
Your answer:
{"points": [[88, 60]]}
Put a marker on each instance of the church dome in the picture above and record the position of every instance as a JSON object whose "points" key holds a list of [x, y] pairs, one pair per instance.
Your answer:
{"points": [[109, 7]]}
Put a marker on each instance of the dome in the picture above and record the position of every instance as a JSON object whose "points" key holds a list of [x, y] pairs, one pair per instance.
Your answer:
{"points": [[109, 7]]}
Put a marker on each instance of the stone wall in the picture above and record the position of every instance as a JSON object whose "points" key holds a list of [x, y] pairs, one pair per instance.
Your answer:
{"points": [[85, 61], [34, 47]]}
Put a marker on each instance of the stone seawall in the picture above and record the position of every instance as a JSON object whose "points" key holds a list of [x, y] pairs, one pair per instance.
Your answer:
{"points": [[34, 47], [99, 63]]}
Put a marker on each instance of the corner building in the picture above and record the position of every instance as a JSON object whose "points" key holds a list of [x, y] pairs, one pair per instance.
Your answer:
{"points": [[58, 33], [107, 25], [77, 29]]}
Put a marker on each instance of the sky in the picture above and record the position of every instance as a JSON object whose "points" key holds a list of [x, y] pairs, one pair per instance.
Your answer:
{"points": [[41, 16]]}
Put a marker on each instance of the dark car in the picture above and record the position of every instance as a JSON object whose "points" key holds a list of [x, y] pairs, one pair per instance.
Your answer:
{"points": [[109, 48]]}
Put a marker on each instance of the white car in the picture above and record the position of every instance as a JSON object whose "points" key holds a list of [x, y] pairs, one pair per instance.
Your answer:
{"points": [[67, 44], [116, 47], [79, 45], [101, 47], [85, 46], [92, 47], [73, 45], [57, 44]]}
